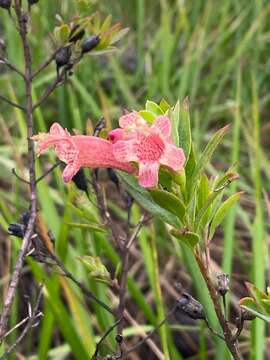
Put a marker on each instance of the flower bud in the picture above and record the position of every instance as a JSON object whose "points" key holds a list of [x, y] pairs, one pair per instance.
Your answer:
{"points": [[190, 307], [76, 35], [16, 230], [32, 2], [90, 44], [223, 285], [5, 4], [62, 56], [80, 181]]}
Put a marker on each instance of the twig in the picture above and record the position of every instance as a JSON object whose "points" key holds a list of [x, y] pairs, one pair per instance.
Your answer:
{"points": [[50, 89], [105, 335], [19, 177], [151, 333], [11, 66], [45, 64], [83, 288], [32, 317], [136, 231], [48, 171], [23, 22], [229, 338], [3, 98]]}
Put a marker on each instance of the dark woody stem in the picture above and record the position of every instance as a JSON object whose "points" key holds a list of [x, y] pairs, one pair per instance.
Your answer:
{"points": [[228, 335], [23, 19]]}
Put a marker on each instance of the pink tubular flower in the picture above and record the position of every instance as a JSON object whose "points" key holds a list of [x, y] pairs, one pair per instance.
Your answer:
{"points": [[149, 146], [79, 150]]}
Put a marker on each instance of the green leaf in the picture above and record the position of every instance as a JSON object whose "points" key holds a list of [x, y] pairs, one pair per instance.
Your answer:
{"points": [[147, 115], [206, 157], [83, 5], [184, 128], [93, 227], [189, 238], [95, 267], [61, 33], [175, 118], [222, 211], [143, 197], [153, 107], [169, 202], [164, 105], [251, 306]]}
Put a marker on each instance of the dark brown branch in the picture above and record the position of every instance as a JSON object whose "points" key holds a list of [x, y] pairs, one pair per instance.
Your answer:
{"points": [[228, 335], [5, 99], [48, 171], [23, 23]]}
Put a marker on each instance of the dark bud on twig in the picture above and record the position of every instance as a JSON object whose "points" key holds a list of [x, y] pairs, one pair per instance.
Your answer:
{"points": [[25, 217], [16, 230], [190, 307], [247, 315], [5, 4], [223, 285], [90, 44], [80, 181], [113, 177], [76, 35], [62, 56], [119, 338], [32, 2]]}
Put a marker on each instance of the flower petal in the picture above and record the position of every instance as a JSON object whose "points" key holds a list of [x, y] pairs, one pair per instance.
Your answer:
{"points": [[124, 151], [148, 174], [69, 171], [116, 135], [128, 119], [57, 130], [162, 126], [173, 157]]}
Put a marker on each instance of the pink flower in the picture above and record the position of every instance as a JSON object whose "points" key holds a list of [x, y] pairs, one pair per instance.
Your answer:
{"points": [[149, 146], [79, 150]]}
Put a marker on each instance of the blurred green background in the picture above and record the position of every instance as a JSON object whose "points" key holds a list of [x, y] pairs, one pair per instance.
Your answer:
{"points": [[217, 54]]}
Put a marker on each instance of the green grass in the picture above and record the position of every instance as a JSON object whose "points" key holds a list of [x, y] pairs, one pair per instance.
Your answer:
{"points": [[217, 53]]}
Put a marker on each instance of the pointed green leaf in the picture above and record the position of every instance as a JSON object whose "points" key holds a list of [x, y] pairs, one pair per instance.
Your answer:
{"points": [[206, 157], [92, 227], [222, 211], [143, 197], [153, 107], [148, 115], [169, 202], [184, 128], [164, 105], [175, 118], [251, 306], [189, 238]]}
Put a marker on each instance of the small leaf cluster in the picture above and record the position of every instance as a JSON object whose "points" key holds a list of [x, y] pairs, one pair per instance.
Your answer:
{"points": [[258, 304]]}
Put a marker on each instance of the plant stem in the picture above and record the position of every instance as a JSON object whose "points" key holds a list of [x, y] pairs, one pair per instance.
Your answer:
{"points": [[23, 23], [228, 335]]}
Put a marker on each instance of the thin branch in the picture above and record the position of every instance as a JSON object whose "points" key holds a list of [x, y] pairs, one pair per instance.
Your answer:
{"points": [[50, 89], [82, 287], [31, 319], [48, 171], [5, 99], [23, 24], [45, 64], [19, 177], [11, 66], [136, 232], [229, 338], [105, 335], [151, 333]]}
